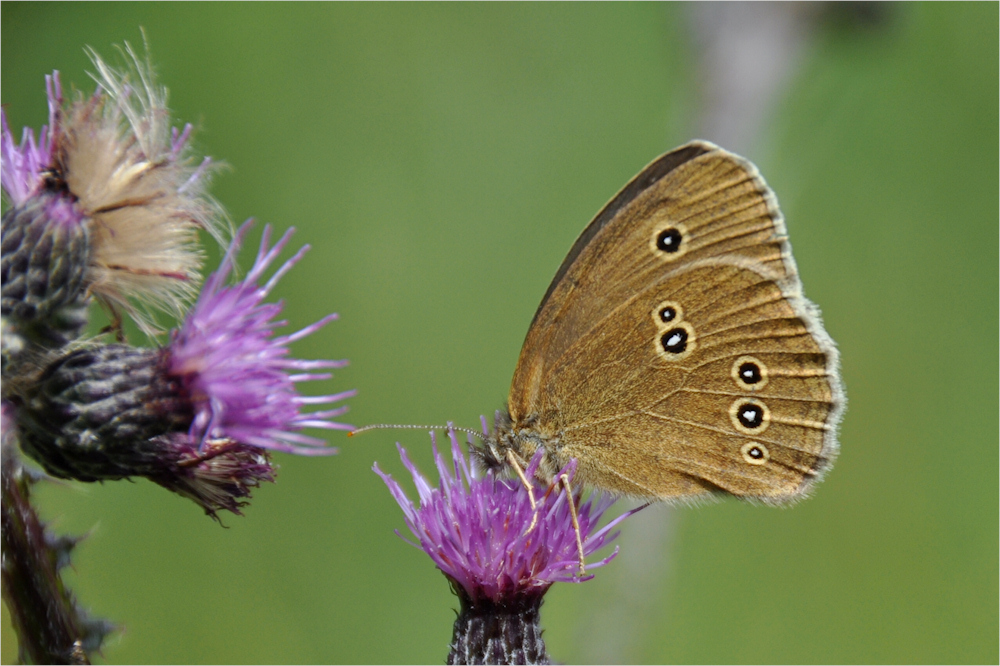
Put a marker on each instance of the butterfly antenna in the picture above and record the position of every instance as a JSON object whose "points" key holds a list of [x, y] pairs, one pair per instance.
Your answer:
{"points": [[384, 426]]}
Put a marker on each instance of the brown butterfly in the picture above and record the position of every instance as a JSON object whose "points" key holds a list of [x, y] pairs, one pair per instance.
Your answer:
{"points": [[674, 354]]}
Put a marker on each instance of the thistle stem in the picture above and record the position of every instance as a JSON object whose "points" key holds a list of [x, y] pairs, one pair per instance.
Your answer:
{"points": [[48, 625]]}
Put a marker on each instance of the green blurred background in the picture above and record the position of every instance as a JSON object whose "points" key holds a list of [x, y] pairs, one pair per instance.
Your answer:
{"points": [[441, 159]]}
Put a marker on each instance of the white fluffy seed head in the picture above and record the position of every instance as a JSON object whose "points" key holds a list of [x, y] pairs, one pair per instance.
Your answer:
{"points": [[143, 192]]}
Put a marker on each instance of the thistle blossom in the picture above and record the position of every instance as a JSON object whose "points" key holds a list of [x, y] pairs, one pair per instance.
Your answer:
{"points": [[475, 527], [218, 475], [237, 374], [46, 241], [113, 169], [500, 554], [22, 166]]}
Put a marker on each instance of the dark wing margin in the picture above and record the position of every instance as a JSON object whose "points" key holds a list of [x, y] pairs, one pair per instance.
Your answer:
{"points": [[646, 178]]}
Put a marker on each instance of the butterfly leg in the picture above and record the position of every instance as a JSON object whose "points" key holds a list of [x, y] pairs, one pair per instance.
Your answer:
{"points": [[576, 523], [512, 459]]}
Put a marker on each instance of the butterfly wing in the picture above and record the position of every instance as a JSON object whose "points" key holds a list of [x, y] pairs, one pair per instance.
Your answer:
{"points": [[674, 353]]}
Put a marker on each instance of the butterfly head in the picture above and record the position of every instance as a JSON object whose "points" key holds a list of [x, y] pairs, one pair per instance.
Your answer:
{"points": [[493, 453], [513, 444], [510, 445]]}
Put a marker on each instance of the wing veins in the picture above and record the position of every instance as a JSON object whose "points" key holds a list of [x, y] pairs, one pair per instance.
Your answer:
{"points": [[822, 372], [706, 192], [728, 224], [769, 397], [747, 306], [728, 213], [652, 493], [729, 238], [664, 417], [804, 331]]}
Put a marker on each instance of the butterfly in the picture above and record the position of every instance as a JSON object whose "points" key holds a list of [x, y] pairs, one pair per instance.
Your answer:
{"points": [[674, 354]]}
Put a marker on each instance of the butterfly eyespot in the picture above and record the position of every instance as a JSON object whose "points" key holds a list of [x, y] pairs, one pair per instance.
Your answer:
{"points": [[675, 342], [670, 242], [667, 312], [755, 453], [749, 373], [750, 416]]}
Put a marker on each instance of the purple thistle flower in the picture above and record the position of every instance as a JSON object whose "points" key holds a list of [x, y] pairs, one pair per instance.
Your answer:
{"points": [[46, 240], [238, 375], [476, 529], [22, 166]]}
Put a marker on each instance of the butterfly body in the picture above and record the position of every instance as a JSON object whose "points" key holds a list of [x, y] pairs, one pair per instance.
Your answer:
{"points": [[674, 354]]}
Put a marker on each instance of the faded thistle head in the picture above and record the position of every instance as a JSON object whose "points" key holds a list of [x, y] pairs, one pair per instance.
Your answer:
{"points": [[107, 202]]}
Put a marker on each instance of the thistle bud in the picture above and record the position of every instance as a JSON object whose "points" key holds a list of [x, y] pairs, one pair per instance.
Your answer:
{"points": [[46, 254], [96, 413]]}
